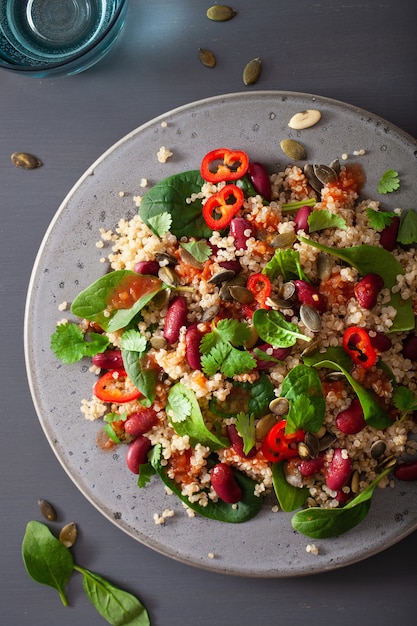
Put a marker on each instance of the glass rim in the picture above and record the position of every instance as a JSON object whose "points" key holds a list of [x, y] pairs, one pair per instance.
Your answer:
{"points": [[44, 67]]}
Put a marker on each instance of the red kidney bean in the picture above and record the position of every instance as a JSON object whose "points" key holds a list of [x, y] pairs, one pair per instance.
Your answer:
{"points": [[367, 290], [235, 266], [410, 347], [343, 497], [108, 360], [277, 353], [141, 422], [406, 471], [308, 294], [137, 453], [351, 420], [236, 442], [388, 236], [338, 470], [239, 226], [309, 467], [224, 483], [147, 267], [301, 219], [176, 317], [380, 342], [193, 339], [259, 178]]}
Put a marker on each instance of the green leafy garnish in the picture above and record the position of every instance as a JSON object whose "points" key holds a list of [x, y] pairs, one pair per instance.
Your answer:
{"points": [[219, 351], [70, 344], [160, 223], [319, 220], [404, 400], [319, 523], [407, 233], [134, 341], [285, 263], [388, 182], [273, 328], [200, 250], [289, 497], [145, 378], [245, 426], [378, 220], [294, 206], [302, 387], [50, 563], [115, 417], [250, 398], [185, 417]]}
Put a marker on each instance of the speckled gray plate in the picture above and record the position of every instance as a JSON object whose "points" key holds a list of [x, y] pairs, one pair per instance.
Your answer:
{"points": [[68, 261]]}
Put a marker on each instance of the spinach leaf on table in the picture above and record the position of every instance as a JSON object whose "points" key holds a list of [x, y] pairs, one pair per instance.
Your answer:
{"points": [[169, 196]]}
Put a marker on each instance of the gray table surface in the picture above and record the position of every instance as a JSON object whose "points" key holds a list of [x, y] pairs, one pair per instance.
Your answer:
{"points": [[363, 52]]}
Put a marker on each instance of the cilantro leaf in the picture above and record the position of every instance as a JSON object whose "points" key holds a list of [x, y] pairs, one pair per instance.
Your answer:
{"points": [[379, 219], [69, 344], [388, 182], [321, 219], [407, 233], [115, 417], [160, 223], [200, 250], [219, 351], [245, 426], [179, 407], [404, 400], [146, 471], [133, 341]]}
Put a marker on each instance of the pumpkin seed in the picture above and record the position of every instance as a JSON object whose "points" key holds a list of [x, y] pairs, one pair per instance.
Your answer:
{"points": [[210, 313], [279, 406], [312, 442], [324, 266], [303, 450], [161, 299], [157, 342], [241, 294], [389, 461], [68, 535], [378, 448], [264, 425], [335, 166], [310, 318], [287, 290], [188, 259], [220, 13], [166, 259], [335, 376], [284, 240], [304, 119], [168, 276], [324, 173], [312, 178], [221, 277], [277, 303], [25, 160], [293, 149], [47, 510], [253, 338], [206, 57], [293, 475], [326, 441], [252, 71]]}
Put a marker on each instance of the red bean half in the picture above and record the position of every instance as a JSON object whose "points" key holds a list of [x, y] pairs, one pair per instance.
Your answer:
{"points": [[193, 339], [338, 470], [351, 420], [141, 422], [406, 471], [224, 483], [137, 453], [388, 237], [367, 290], [239, 229], [237, 444], [301, 219], [147, 267], [259, 178], [176, 317], [108, 360], [308, 294], [410, 347]]}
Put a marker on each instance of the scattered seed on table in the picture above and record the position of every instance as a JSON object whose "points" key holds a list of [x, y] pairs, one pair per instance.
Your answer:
{"points": [[220, 13], [25, 160], [252, 71], [47, 510], [206, 57]]}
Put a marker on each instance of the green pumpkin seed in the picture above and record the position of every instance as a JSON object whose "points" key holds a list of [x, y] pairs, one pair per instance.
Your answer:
{"points": [[47, 510], [220, 13], [68, 535], [293, 149], [206, 57], [252, 71], [25, 160]]}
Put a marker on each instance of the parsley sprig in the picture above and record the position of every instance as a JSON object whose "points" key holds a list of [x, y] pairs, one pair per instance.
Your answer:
{"points": [[389, 182], [220, 352], [378, 220]]}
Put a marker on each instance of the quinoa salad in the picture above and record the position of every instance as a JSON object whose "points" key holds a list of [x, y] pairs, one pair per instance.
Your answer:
{"points": [[255, 336]]}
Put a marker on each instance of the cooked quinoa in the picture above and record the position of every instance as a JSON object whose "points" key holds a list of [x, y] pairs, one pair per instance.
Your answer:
{"points": [[133, 242]]}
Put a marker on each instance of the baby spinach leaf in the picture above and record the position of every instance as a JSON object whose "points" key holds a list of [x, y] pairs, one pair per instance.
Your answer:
{"points": [[319, 220], [302, 387], [373, 260], [189, 419], [245, 426], [118, 607], [407, 233], [321, 523], [252, 398], [289, 497], [285, 263], [246, 509], [335, 359], [46, 559], [143, 377], [200, 250], [92, 302], [169, 196], [273, 328]]}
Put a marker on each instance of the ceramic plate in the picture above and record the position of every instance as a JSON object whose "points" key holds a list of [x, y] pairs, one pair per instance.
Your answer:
{"points": [[69, 260]]}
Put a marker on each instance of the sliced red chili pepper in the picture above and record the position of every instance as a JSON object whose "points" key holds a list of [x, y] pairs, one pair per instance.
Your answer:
{"points": [[226, 202], [260, 286], [279, 446], [115, 386], [357, 343], [223, 164]]}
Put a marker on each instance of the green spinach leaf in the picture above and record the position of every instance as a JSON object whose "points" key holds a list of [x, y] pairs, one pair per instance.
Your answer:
{"points": [[118, 607], [185, 417], [302, 387], [407, 233], [286, 263], [169, 196], [246, 509], [373, 260], [289, 497], [46, 559], [251, 398], [319, 220], [273, 328]]}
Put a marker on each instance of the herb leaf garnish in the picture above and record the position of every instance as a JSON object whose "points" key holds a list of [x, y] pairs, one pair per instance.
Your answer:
{"points": [[200, 250], [289, 497], [245, 426], [302, 387], [160, 223], [404, 400], [145, 378], [319, 220], [378, 220], [70, 345], [219, 351], [388, 182], [285, 263], [407, 233], [273, 328]]}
